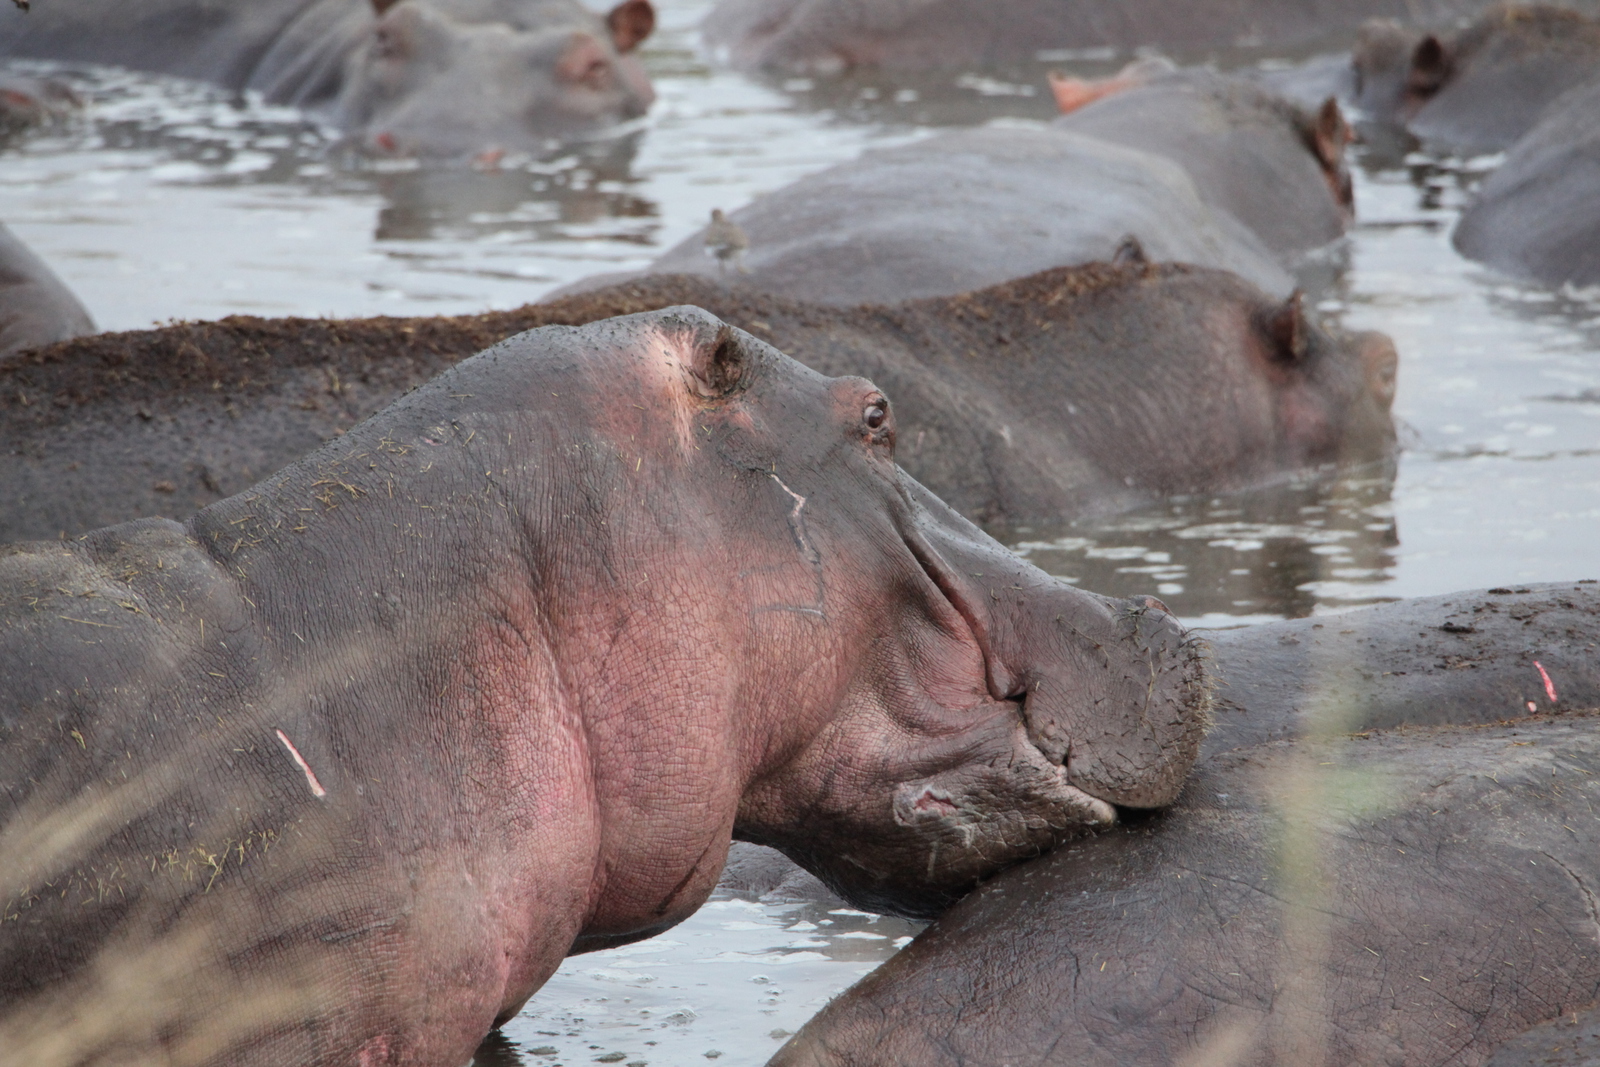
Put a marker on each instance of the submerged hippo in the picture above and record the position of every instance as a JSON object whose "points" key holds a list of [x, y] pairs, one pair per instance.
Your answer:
{"points": [[1074, 391], [976, 207], [824, 36], [340, 769], [443, 78], [1251, 153], [1538, 215], [1333, 887], [36, 307], [1482, 88]]}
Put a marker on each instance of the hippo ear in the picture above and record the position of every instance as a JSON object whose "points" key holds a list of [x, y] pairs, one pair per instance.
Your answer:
{"points": [[631, 22], [379, 7], [1431, 65], [1286, 328], [1329, 135], [717, 361], [1130, 253]]}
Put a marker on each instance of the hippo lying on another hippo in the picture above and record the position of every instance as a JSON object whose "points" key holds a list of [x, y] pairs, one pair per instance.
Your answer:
{"points": [[1075, 391], [824, 36], [339, 770], [1418, 897], [441, 78], [1482, 88], [36, 307], [1538, 215]]}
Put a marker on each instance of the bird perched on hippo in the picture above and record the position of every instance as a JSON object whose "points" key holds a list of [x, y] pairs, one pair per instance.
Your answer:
{"points": [[340, 769], [423, 78]]}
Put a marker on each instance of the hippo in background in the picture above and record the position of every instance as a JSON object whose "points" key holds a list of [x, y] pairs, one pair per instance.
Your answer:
{"points": [[827, 36], [36, 307], [1076, 391], [1382, 858], [427, 78], [28, 101], [340, 769], [1538, 215], [1482, 88], [1276, 167]]}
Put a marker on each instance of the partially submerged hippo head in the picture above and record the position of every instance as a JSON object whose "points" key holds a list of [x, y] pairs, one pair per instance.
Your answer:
{"points": [[939, 708], [452, 78]]}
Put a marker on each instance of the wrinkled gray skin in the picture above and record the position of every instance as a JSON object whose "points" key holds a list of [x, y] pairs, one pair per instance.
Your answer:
{"points": [[825, 36], [1538, 215], [1441, 875], [1481, 88], [339, 770], [36, 307], [972, 208], [1250, 153], [428, 78]]}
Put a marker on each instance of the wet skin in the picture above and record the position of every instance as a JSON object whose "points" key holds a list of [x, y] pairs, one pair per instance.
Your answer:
{"points": [[1334, 886], [340, 769], [443, 79], [36, 307], [1072, 392]]}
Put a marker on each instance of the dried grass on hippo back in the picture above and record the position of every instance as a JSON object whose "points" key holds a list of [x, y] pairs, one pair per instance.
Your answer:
{"points": [[343, 767]]}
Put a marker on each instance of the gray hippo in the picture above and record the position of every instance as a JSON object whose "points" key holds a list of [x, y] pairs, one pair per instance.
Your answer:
{"points": [[340, 769], [1479, 89], [1276, 167], [1075, 391], [439, 78], [29, 100], [1538, 215], [1334, 886], [826, 36], [36, 307]]}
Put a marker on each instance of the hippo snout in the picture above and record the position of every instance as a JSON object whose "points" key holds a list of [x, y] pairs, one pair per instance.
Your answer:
{"points": [[1131, 739]]}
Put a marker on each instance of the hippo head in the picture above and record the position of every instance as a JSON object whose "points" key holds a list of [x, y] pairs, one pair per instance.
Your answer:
{"points": [[939, 707], [479, 78], [1380, 62]]}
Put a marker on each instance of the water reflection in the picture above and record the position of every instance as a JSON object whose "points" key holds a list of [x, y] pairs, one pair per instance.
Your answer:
{"points": [[1284, 551]]}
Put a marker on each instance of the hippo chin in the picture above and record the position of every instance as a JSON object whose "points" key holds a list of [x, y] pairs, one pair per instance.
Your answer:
{"points": [[341, 768], [423, 78]]}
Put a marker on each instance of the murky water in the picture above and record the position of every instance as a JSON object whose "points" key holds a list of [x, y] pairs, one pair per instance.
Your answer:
{"points": [[173, 201]]}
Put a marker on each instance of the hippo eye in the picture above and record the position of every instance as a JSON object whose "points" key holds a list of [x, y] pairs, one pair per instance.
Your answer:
{"points": [[877, 412]]}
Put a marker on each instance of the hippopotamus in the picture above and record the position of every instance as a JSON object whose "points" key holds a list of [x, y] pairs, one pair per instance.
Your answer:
{"points": [[971, 208], [1479, 89], [29, 100], [1252, 154], [36, 307], [422, 78], [1386, 855], [827, 36], [1538, 215], [339, 769], [1076, 391]]}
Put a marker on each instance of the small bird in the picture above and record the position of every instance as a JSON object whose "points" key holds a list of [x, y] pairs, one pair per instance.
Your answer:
{"points": [[726, 240]]}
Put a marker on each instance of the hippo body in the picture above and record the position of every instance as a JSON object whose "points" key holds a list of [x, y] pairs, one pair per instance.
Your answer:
{"points": [[1251, 154], [1482, 88], [1538, 215], [825, 36], [341, 768], [972, 208], [1076, 391], [36, 307], [1438, 877], [441, 78]]}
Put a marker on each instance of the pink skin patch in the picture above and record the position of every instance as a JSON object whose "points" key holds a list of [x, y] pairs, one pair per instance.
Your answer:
{"points": [[1549, 686], [1532, 707], [932, 801], [300, 761]]}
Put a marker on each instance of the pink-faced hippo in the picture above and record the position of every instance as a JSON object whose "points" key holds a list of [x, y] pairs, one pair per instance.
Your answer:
{"points": [[1479, 89], [1382, 858], [1076, 391], [826, 36], [339, 770], [36, 307], [1276, 167], [427, 78], [1538, 215]]}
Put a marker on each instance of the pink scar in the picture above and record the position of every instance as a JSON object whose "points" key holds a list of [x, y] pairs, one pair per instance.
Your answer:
{"points": [[300, 761]]}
